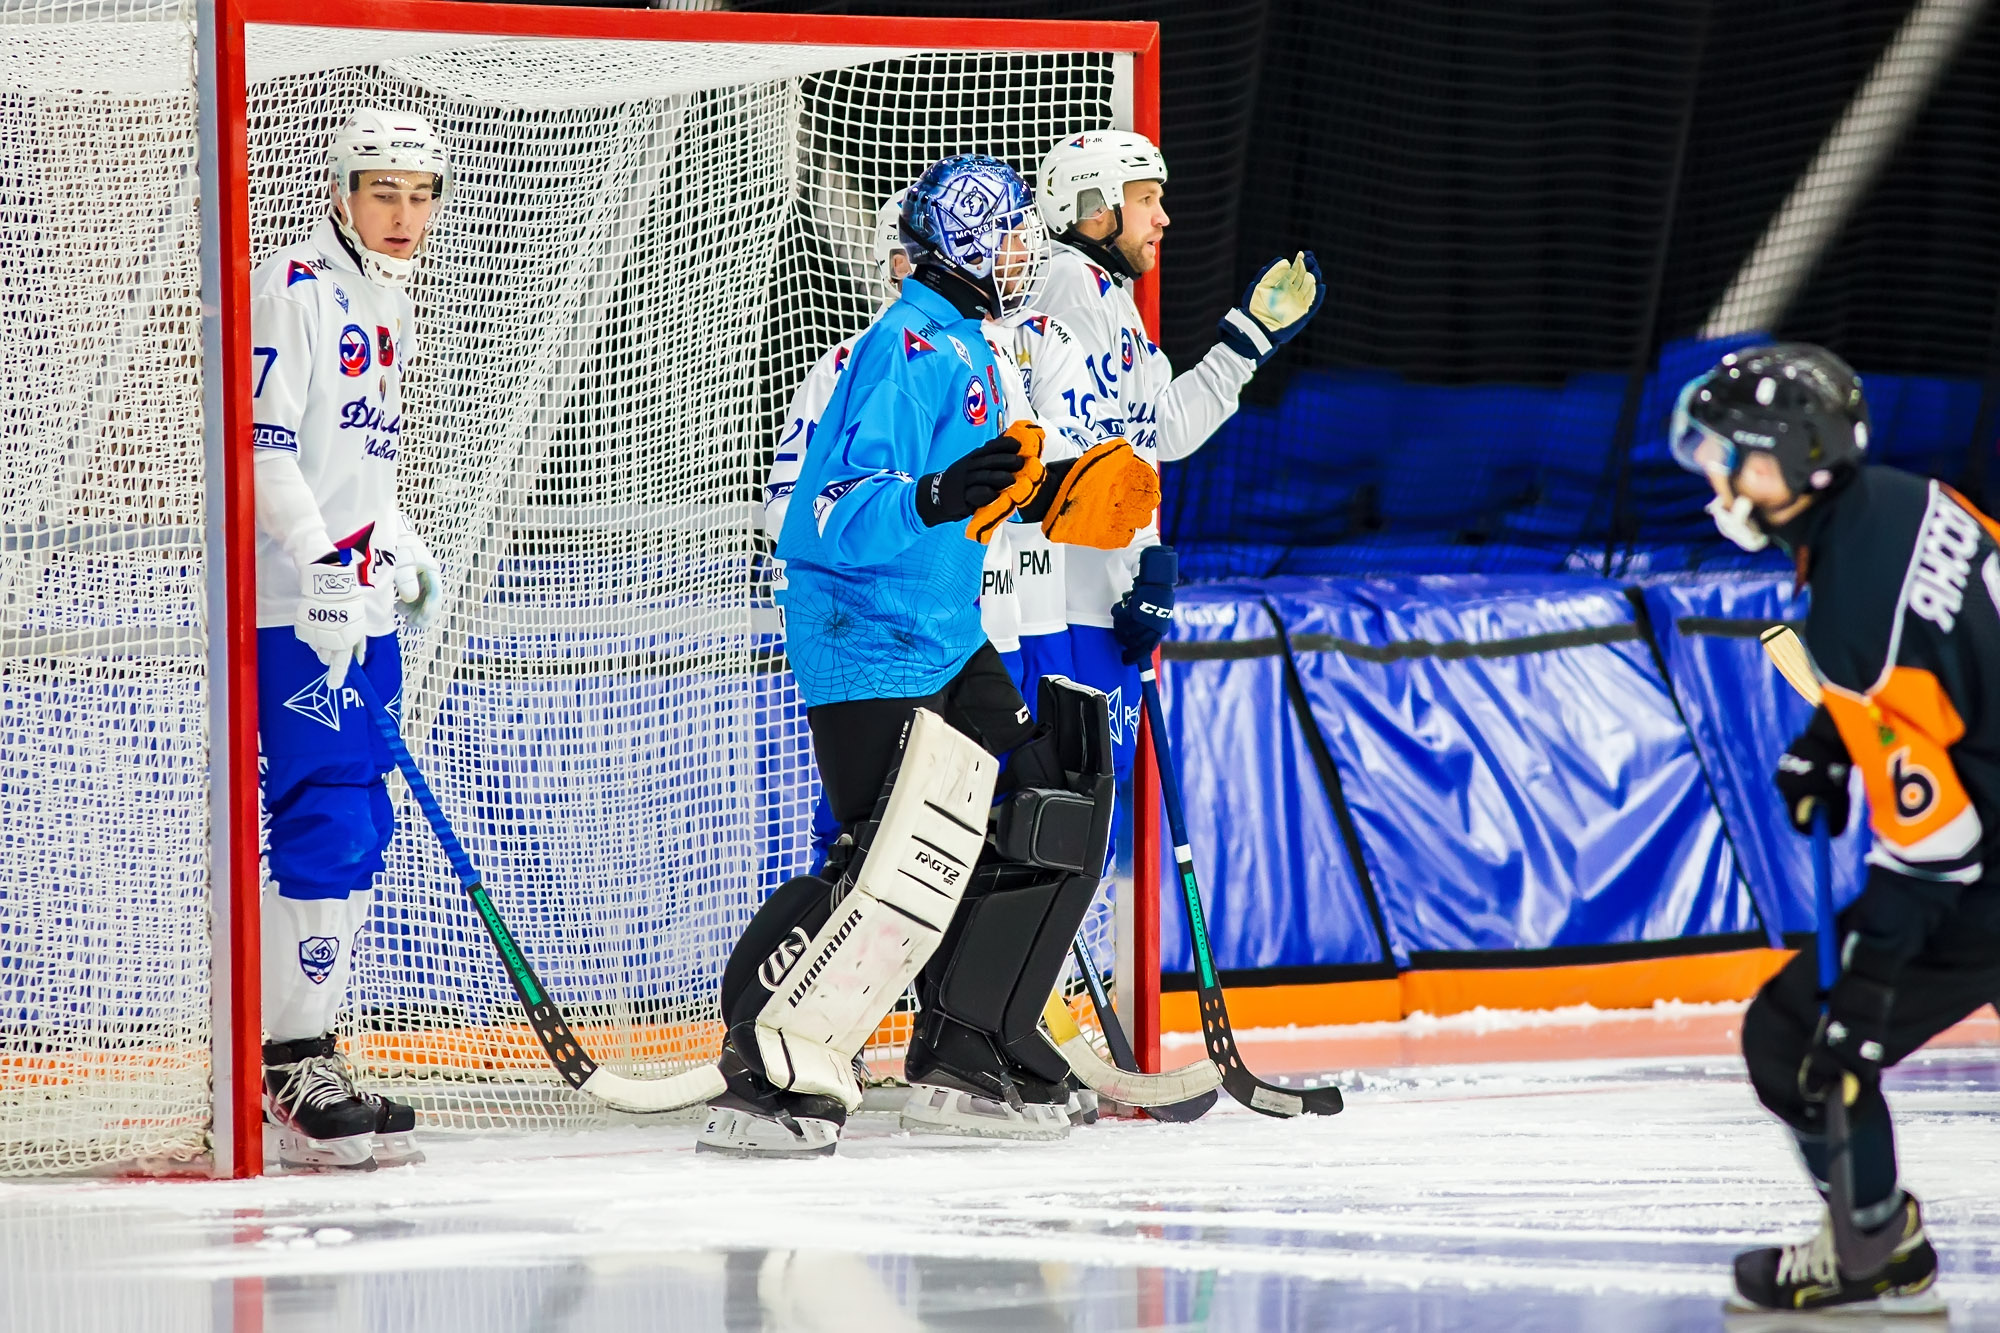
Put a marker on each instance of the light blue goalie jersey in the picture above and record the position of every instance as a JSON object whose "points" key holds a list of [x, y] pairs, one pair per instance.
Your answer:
{"points": [[878, 606]]}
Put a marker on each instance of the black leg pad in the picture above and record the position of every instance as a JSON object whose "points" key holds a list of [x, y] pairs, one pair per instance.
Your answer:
{"points": [[1007, 946]]}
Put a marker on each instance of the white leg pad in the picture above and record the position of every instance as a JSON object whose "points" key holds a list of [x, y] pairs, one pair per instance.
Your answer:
{"points": [[884, 931]]}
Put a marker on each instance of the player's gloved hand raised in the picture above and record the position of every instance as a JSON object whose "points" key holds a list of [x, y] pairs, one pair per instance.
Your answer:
{"points": [[1812, 776], [1144, 615], [990, 477], [1285, 294], [418, 584], [329, 615], [1850, 1044]]}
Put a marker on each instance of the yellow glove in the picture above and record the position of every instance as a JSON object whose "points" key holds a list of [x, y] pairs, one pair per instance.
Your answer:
{"points": [[986, 520], [1103, 498], [1280, 299]]}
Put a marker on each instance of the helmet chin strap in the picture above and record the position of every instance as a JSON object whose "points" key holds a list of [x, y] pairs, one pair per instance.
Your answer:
{"points": [[1106, 252], [1735, 517]]}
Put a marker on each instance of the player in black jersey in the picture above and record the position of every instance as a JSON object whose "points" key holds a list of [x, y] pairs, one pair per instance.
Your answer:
{"points": [[1904, 634]]}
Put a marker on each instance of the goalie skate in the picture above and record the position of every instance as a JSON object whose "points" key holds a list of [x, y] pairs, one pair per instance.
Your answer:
{"points": [[754, 1119], [938, 1108]]}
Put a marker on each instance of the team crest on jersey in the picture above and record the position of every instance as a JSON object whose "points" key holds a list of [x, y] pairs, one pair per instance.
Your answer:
{"points": [[341, 297], [839, 360], [319, 702], [914, 346], [1125, 349], [975, 401], [959, 347], [354, 359], [299, 272], [1103, 278], [385, 346], [317, 954], [1124, 716]]}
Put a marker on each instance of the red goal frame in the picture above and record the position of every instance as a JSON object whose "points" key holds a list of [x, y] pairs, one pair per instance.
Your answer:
{"points": [[237, 1067]]}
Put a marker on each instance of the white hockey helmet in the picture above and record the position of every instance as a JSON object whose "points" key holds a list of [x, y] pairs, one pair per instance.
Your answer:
{"points": [[374, 139], [889, 238], [1088, 172]]}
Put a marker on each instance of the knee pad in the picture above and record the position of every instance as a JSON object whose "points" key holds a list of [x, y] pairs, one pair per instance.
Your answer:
{"points": [[1776, 1035], [1008, 942]]}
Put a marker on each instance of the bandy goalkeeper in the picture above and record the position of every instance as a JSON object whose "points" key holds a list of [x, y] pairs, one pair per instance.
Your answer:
{"points": [[917, 726], [333, 329]]}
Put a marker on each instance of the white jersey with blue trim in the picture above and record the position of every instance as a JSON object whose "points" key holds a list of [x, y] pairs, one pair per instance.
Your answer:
{"points": [[327, 356], [801, 420], [1135, 394], [1054, 386]]}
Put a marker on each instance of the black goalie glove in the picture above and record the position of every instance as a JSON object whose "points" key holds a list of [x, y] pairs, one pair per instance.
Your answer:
{"points": [[1812, 775]]}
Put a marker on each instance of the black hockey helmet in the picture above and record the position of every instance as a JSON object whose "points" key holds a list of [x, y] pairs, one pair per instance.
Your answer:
{"points": [[1800, 403]]}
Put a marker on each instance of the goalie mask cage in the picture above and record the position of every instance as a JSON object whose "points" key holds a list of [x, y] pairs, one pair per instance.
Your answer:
{"points": [[657, 221]]}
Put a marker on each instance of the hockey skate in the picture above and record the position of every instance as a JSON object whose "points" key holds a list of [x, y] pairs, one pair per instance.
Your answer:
{"points": [[395, 1131], [754, 1119], [313, 1118], [1806, 1276], [975, 1093]]}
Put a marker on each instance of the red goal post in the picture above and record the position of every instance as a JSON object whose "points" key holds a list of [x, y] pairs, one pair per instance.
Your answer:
{"points": [[223, 33]]}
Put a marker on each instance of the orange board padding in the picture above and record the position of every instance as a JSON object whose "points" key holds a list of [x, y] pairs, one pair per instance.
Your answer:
{"points": [[1638, 984]]}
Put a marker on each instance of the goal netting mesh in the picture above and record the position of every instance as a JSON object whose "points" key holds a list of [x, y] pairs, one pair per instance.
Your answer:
{"points": [[646, 245]]}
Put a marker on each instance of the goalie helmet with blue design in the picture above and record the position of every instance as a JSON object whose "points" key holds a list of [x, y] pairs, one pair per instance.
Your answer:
{"points": [[972, 218]]}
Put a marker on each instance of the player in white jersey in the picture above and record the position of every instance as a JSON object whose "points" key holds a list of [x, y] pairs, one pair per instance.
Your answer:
{"points": [[332, 329], [1101, 196]]}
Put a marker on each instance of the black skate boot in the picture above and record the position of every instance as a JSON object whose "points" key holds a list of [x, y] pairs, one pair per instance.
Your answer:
{"points": [[1807, 1276], [395, 1131], [755, 1119], [960, 1084], [313, 1118]]}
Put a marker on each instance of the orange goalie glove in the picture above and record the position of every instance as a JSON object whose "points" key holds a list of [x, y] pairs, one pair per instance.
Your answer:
{"points": [[1027, 438], [1102, 499]]}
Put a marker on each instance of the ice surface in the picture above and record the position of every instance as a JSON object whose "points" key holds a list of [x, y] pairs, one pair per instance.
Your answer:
{"points": [[1603, 1193]]}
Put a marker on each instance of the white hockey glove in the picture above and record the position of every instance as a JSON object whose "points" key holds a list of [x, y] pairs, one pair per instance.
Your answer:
{"points": [[419, 586], [329, 618], [1279, 301]]}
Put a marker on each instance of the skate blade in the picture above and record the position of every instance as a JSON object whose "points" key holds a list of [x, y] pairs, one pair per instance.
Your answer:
{"points": [[734, 1133], [1884, 1312], [397, 1150], [294, 1152], [939, 1110]]}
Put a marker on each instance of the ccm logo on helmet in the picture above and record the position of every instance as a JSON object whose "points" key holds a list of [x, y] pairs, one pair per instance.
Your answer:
{"points": [[1944, 562]]}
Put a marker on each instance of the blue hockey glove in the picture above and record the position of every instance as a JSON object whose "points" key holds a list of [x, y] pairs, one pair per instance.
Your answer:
{"points": [[1284, 295], [1145, 614]]}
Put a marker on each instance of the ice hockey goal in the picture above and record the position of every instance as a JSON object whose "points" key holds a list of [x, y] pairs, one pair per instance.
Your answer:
{"points": [[659, 219]]}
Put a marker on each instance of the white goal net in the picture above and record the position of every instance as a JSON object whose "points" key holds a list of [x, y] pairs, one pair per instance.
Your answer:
{"points": [[646, 245]]}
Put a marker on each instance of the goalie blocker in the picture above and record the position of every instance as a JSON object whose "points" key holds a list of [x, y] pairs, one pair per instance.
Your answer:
{"points": [[982, 895]]}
